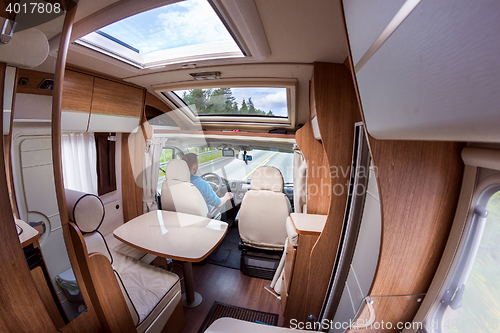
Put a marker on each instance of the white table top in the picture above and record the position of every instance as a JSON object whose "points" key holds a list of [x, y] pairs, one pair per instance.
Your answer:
{"points": [[173, 235], [29, 234], [308, 224]]}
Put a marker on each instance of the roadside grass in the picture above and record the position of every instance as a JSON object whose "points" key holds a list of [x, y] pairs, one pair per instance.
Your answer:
{"points": [[210, 157]]}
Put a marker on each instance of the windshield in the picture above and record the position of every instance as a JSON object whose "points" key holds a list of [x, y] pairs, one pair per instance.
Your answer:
{"points": [[232, 168], [236, 169]]}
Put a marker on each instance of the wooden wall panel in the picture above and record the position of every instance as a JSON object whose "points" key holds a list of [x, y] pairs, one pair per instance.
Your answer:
{"points": [[298, 285], [110, 97], [337, 111], [419, 185], [34, 79], [77, 91], [333, 101], [89, 320]]}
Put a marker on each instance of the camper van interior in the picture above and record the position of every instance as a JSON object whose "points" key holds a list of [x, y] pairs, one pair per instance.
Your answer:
{"points": [[250, 166]]}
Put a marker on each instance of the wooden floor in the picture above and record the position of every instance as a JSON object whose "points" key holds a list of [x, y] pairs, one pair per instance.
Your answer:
{"points": [[229, 286]]}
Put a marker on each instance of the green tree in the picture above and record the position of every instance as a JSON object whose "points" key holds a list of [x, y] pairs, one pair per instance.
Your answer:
{"points": [[270, 114], [244, 107], [198, 97], [251, 107]]}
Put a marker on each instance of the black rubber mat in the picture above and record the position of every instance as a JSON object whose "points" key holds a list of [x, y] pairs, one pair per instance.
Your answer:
{"points": [[220, 310], [227, 253]]}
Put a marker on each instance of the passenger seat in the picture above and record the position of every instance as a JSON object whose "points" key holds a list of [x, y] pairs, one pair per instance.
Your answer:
{"points": [[151, 293]]}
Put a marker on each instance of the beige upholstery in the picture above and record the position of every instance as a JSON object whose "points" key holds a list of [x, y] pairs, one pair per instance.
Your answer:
{"points": [[267, 178], [293, 237], [177, 192], [86, 210], [264, 211], [151, 293], [231, 325]]}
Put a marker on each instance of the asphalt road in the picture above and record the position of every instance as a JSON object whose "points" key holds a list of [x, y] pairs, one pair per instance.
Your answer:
{"points": [[235, 169]]}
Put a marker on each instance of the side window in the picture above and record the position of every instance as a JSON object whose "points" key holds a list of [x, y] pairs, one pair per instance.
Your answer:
{"points": [[471, 302], [106, 173], [167, 154]]}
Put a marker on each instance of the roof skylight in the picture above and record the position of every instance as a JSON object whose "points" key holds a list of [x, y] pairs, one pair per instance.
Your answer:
{"points": [[184, 31]]}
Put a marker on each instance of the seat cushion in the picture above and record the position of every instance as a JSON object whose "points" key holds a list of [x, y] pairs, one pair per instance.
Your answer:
{"points": [[148, 289], [182, 197], [267, 178], [262, 219], [117, 247], [230, 325]]}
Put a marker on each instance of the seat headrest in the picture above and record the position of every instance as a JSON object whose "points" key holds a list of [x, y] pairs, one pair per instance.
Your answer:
{"points": [[177, 170], [267, 178], [85, 209]]}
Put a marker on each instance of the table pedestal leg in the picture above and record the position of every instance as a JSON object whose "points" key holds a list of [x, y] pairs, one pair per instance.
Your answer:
{"points": [[190, 299]]}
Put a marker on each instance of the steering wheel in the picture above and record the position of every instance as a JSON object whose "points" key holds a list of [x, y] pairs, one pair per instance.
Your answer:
{"points": [[216, 186]]}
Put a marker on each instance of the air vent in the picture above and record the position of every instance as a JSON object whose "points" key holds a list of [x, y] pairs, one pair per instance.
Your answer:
{"points": [[205, 76]]}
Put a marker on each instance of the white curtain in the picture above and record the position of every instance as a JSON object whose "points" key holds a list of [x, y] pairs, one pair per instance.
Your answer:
{"points": [[79, 162], [151, 167], [299, 180]]}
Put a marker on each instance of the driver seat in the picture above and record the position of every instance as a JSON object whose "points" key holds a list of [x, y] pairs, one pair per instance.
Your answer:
{"points": [[177, 192]]}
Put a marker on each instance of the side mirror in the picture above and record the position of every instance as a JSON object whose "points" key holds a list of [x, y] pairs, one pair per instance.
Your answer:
{"points": [[249, 158]]}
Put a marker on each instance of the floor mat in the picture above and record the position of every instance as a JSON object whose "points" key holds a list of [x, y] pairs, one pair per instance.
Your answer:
{"points": [[220, 310], [227, 254]]}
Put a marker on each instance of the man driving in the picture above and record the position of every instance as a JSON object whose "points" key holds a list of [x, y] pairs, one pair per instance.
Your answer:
{"points": [[205, 189]]}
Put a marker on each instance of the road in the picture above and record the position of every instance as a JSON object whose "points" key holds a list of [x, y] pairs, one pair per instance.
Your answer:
{"points": [[235, 169]]}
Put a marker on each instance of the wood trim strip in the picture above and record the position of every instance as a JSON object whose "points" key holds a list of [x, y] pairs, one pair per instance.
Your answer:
{"points": [[337, 112], [88, 321], [8, 151]]}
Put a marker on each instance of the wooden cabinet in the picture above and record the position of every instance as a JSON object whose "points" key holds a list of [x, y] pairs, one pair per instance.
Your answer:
{"points": [[294, 288], [77, 91], [116, 99]]}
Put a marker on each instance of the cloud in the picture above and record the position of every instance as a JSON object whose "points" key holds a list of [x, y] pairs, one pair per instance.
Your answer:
{"points": [[180, 24]]}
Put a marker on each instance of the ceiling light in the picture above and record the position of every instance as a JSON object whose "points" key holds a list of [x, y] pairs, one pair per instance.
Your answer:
{"points": [[205, 76]]}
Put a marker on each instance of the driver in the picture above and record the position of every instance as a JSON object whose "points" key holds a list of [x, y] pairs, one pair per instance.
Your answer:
{"points": [[205, 189]]}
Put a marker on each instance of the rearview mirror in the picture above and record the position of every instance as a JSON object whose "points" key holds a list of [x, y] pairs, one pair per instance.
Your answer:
{"points": [[229, 152]]}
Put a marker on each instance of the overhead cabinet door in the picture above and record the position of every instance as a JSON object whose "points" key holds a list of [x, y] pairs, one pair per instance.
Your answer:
{"points": [[76, 101], [116, 107]]}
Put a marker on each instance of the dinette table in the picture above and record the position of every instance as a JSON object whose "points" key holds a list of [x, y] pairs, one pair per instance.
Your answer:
{"points": [[184, 237]]}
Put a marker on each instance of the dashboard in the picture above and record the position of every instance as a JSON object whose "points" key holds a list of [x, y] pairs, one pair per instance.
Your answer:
{"points": [[238, 188]]}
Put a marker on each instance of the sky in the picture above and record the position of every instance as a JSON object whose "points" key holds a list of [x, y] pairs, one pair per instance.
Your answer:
{"points": [[266, 99], [185, 23]]}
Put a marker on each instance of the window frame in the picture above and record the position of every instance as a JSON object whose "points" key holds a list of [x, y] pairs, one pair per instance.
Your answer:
{"points": [[176, 103], [482, 193]]}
